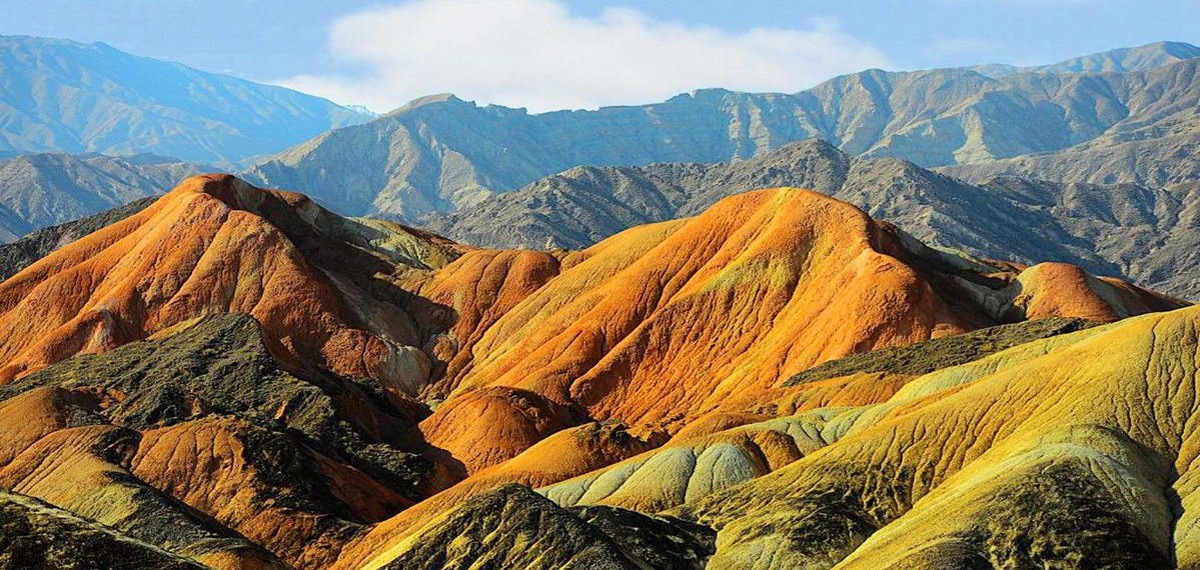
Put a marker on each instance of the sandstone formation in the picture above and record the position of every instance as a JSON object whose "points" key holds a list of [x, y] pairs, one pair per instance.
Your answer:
{"points": [[795, 277], [296, 462], [1042, 461], [1067, 465], [239, 378], [308, 275]]}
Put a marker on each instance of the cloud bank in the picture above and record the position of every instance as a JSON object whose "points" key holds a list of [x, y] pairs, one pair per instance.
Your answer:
{"points": [[536, 54]]}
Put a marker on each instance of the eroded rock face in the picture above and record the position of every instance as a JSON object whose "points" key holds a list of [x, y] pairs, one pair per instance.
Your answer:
{"points": [[663, 322], [197, 441], [513, 527], [216, 244], [797, 272], [1050, 439]]}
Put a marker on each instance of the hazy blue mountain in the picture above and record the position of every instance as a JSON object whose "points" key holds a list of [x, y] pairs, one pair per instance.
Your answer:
{"points": [[64, 96], [440, 153], [1140, 58]]}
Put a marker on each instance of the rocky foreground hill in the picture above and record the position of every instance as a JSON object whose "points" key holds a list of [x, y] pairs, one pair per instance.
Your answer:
{"points": [[239, 378]]}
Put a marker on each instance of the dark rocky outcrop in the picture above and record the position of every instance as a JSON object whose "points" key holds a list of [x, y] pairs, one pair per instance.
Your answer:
{"points": [[38, 536]]}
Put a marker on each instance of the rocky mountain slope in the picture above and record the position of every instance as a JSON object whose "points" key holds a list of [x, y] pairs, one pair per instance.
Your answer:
{"points": [[440, 153], [1142, 233], [22, 253], [40, 190], [285, 387], [63, 96]]}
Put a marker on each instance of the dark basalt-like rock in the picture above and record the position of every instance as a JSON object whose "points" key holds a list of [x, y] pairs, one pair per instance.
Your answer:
{"points": [[510, 527]]}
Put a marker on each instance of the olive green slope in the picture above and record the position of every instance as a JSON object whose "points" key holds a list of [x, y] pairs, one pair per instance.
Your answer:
{"points": [[38, 536], [514, 527], [220, 366], [938, 353]]}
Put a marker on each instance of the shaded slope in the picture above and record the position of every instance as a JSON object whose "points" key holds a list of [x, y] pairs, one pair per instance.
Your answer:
{"points": [[568, 453], [35, 535], [931, 355], [513, 527]]}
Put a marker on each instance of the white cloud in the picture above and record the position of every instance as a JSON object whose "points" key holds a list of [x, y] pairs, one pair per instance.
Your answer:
{"points": [[536, 54]]}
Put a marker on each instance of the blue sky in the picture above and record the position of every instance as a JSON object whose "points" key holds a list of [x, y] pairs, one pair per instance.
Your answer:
{"points": [[581, 53]]}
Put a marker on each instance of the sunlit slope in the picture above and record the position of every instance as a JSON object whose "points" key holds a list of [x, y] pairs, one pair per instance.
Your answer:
{"points": [[1019, 458], [216, 244], [198, 442], [1076, 451], [693, 329], [666, 321], [240, 377]]}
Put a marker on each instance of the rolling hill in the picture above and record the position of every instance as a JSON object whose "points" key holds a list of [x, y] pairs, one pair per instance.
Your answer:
{"points": [[1142, 233]]}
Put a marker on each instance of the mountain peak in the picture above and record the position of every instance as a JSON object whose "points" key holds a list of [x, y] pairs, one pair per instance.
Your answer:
{"points": [[430, 101]]}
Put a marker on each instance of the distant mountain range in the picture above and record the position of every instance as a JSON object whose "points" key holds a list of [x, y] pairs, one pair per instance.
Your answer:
{"points": [[64, 96], [1128, 230], [441, 153], [1139, 58], [1088, 161]]}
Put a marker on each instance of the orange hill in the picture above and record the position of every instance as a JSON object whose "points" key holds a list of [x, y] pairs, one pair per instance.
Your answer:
{"points": [[663, 323]]}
